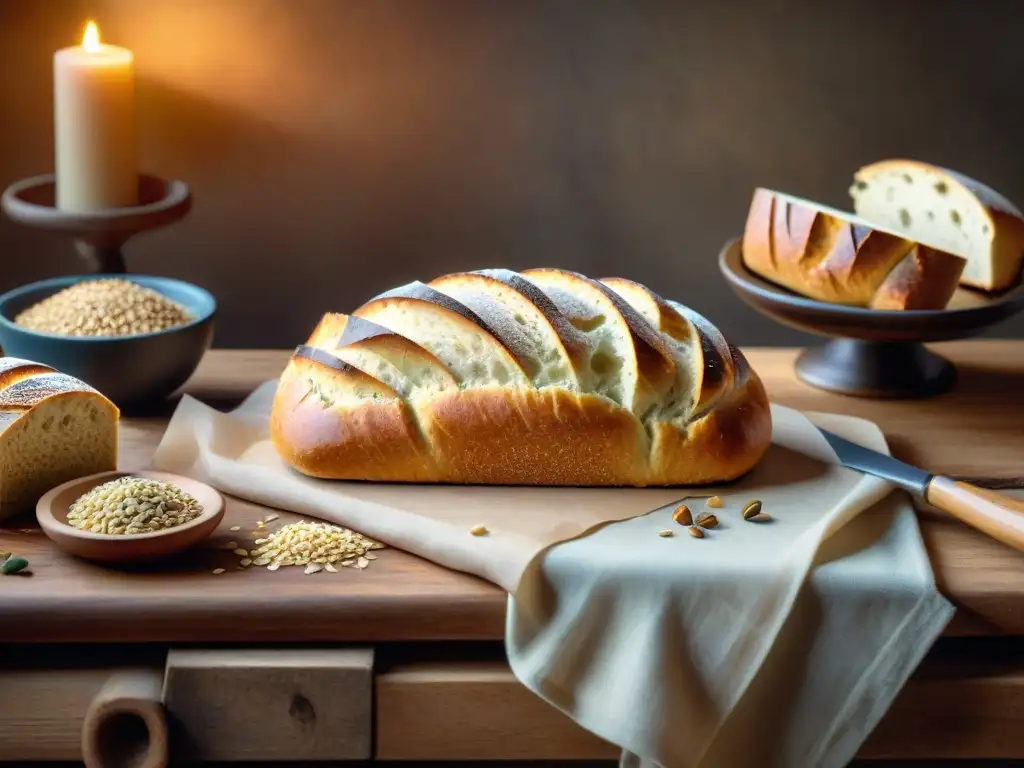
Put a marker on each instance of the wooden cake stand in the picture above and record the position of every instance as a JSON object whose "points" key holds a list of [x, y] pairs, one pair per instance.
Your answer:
{"points": [[871, 353]]}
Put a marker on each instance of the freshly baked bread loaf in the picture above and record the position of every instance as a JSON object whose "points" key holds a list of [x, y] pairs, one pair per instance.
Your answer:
{"points": [[53, 428], [544, 377], [949, 211], [832, 256]]}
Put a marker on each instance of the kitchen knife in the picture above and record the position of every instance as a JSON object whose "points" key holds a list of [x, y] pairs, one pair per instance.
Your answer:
{"points": [[998, 515]]}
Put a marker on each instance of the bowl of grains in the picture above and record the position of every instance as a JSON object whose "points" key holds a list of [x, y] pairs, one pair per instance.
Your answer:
{"points": [[119, 517], [135, 338]]}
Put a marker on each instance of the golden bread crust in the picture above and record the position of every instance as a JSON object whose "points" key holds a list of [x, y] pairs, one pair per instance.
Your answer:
{"points": [[332, 420], [827, 257]]}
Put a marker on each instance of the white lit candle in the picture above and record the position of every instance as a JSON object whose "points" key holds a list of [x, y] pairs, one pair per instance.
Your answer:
{"points": [[94, 126]]}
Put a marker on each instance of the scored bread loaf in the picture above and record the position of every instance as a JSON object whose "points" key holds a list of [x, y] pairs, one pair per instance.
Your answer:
{"points": [[543, 377], [946, 210], [53, 428], [836, 257]]}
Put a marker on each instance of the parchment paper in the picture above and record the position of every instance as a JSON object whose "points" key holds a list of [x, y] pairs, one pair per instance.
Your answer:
{"points": [[652, 643]]}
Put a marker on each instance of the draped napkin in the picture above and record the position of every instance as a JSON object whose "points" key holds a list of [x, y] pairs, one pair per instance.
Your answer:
{"points": [[776, 643]]}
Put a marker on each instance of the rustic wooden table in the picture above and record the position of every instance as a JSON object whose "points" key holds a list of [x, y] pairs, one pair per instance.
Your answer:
{"points": [[441, 688]]}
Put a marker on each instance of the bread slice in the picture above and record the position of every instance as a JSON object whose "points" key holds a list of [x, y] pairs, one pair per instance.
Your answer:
{"points": [[403, 365], [836, 257], [948, 211], [450, 331], [632, 360], [525, 320], [53, 428]]}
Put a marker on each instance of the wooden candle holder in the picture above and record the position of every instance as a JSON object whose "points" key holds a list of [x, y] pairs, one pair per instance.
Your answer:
{"points": [[98, 235]]}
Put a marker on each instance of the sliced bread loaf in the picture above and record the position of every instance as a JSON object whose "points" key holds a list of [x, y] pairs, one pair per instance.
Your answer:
{"points": [[53, 428], [948, 211], [836, 257]]}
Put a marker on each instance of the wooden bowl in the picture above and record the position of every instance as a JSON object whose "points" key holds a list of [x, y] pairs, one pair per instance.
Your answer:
{"points": [[872, 352], [52, 514]]}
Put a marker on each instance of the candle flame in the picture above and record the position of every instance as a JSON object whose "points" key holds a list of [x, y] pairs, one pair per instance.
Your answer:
{"points": [[91, 38]]}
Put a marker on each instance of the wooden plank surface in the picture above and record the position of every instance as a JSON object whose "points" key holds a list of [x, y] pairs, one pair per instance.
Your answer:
{"points": [[957, 705], [976, 430]]}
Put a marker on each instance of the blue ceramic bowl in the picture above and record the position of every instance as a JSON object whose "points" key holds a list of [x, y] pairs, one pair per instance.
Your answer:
{"points": [[133, 371]]}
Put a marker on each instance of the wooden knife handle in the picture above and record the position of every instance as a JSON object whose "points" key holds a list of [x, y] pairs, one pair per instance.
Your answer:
{"points": [[994, 513]]}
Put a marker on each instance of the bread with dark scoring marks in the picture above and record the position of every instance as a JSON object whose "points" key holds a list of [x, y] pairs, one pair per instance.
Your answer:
{"points": [[555, 379], [832, 256]]}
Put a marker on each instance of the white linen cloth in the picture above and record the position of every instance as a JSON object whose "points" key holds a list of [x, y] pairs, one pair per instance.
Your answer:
{"points": [[770, 644]]}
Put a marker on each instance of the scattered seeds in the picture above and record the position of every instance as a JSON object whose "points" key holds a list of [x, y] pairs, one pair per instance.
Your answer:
{"points": [[348, 563], [271, 518], [242, 552], [760, 517], [708, 521], [245, 562], [479, 530], [682, 515], [330, 568], [231, 545], [132, 505], [218, 571], [696, 532], [362, 562], [665, 533], [752, 508], [715, 502], [311, 545], [370, 556], [236, 528], [13, 564]]}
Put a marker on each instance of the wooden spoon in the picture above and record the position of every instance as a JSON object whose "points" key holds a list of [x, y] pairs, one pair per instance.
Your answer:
{"points": [[52, 514]]}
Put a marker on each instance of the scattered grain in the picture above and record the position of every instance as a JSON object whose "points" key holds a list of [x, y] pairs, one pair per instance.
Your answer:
{"points": [[370, 556], [715, 502], [231, 545], [479, 530], [752, 508], [242, 552], [330, 568], [362, 562], [245, 562], [218, 571], [682, 515], [310, 545], [271, 518], [132, 505], [104, 307], [236, 528], [665, 533], [696, 532]]}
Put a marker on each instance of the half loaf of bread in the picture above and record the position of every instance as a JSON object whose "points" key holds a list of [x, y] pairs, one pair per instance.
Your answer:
{"points": [[53, 428], [544, 377], [832, 256], [946, 210]]}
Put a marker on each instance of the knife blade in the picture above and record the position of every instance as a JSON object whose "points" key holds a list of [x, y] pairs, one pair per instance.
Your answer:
{"points": [[993, 513], [878, 464]]}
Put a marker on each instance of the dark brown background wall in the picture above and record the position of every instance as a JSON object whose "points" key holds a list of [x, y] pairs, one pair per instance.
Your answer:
{"points": [[339, 147]]}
